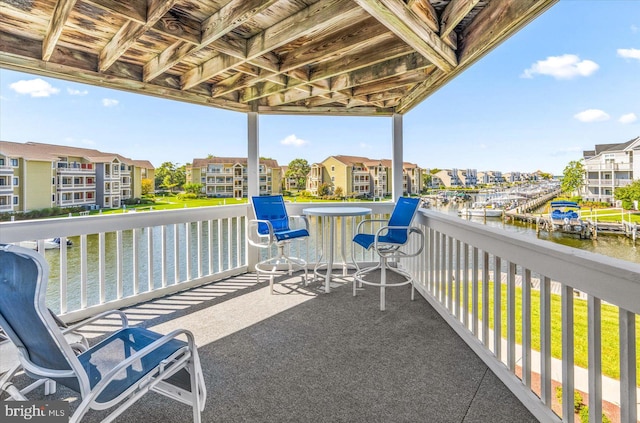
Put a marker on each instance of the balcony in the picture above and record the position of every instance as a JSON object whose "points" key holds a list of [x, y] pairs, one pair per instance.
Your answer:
{"points": [[626, 167], [305, 356]]}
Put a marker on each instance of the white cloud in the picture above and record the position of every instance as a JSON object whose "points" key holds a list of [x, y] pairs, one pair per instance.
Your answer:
{"points": [[109, 102], [34, 87], [73, 91], [629, 53], [628, 118], [569, 151], [567, 66], [591, 115], [634, 29], [294, 141]]}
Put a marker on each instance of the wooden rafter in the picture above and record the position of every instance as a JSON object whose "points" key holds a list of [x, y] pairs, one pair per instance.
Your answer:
{"points": [[395, 15], [60, 15], [353, 57]]}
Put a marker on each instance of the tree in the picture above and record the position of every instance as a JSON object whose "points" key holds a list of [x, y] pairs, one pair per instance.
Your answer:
{"points": [[323, 189], [339, 192], [170, 176], [628, 194], [147, 186], [573, 175], [193, 188], [298, 169]]}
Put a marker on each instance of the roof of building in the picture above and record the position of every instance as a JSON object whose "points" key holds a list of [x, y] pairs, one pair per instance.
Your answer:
{"points": [[270, 163], [601, 148], [350, 57], [52, 152]]}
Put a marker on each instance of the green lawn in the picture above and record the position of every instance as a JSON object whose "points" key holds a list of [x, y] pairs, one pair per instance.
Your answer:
{"points": [[610, 334], [610, 215]]}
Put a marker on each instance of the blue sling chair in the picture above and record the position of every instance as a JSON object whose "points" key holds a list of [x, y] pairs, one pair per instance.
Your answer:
{"points": [[273, 226], [387, 243], [114, 373]]}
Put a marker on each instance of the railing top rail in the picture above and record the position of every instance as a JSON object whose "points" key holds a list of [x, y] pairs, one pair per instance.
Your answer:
{"points": [[613, 280], [70, 226]]}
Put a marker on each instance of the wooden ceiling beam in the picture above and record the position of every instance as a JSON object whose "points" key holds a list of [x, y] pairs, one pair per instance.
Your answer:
{"points": [[395, 15], [367, 33], [131, 31], [317, 17], [225, 20], [347, 63], [453, 14], [426, 12], [56, 24]]}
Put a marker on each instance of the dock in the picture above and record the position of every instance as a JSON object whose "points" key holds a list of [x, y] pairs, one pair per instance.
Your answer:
{"points": [[590, 229]]}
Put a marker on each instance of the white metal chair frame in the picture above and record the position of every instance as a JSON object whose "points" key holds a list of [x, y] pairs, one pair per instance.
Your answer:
{"points": [[186, 357], [282, 263], [387, 251]]}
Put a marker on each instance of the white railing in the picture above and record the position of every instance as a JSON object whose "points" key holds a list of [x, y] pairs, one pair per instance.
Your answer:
{"points": [[117, 260], [109, 267], [456, 275]]}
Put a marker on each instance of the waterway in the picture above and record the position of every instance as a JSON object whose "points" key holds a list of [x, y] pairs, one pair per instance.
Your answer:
{"points": [[617, 246]]}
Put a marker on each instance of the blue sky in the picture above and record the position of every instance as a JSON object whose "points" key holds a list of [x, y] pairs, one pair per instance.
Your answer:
{"points": [[567, 81]]}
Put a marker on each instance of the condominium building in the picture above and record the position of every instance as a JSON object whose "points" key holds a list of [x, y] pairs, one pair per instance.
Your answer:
{"points": [[610, 166], [457, 178], [358, 176], [36, 175], [227, 176], [490, 177]]}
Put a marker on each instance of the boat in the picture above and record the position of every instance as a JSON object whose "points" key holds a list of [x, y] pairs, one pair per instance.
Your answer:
{"points": [[49, 244], [565, 216], [481, 209]]}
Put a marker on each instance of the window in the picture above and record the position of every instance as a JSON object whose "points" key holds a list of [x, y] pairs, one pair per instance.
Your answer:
{"points": [[333, 168], [1, 162], [15, 200], [14, 162], [16, 181]]}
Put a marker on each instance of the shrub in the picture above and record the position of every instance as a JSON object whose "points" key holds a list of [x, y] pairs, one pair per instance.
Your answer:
{"points": [[187, 196]]}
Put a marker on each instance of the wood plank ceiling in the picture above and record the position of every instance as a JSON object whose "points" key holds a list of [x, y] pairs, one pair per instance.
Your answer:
{"points": [[352, 57]]}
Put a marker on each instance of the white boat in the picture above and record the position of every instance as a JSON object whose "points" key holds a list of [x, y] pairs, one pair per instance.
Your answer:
{"points": [[49, 244], [481, 209]]}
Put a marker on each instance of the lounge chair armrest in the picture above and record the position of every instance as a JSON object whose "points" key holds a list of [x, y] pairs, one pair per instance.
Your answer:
{"points": [[123, 318], [253, 230], [368, 221], [106, 379], [395, 251], [302, 217]]}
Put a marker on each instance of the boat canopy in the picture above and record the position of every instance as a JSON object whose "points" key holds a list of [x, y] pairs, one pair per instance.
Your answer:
{"points": [[564, 204]]}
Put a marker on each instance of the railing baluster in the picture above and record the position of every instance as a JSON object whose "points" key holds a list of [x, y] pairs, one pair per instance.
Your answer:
{"points": [[511, 316], [238, 242], [450, 274], [443, 269], [474, 294], [526, 328], [119, 265], [199, 250], [163, 254], [136, 260], [628, 390], [438, 252], [63, 275], [568, 382], [101, 268], [594, 336], [465, 286], [485, 299], [83, 271], [458, 308], [210, 243], [545, 340], [187, 246], [229, 237], [432, 260], [176, 254], [220, 249], [150, 259], [497, 307]]}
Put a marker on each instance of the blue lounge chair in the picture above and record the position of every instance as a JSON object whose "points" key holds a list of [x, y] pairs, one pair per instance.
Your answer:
{"points": [[112, 374], [273, 226], [387, 243]]}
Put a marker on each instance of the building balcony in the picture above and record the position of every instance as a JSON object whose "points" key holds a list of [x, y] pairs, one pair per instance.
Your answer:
{"points": [[468, 349], [68, 170], [6, 170], [6, 189]]}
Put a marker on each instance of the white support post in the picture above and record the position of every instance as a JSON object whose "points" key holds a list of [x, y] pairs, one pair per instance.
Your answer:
{"points": [[253, 176], [397, 160]]}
